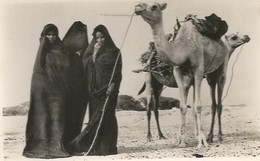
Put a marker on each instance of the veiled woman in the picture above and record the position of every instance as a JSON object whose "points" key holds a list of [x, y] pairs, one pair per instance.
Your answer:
{"points": [[49, 91], [75, 42], [99, 61]]}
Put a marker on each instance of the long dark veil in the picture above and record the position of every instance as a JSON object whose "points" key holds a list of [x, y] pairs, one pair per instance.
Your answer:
{"points": [[75, 42]]}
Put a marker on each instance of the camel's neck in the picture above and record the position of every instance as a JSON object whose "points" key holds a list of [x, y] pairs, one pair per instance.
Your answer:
{"points": [[161, 43], [159, 37], [229, 49]]}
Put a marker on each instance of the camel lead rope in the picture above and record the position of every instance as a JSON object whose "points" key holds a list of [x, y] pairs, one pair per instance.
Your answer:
{"points": [[232, 73], [106, 102], [99, 124]]}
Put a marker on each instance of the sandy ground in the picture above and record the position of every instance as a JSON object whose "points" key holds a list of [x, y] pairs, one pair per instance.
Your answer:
{"points": [[241, 128]]}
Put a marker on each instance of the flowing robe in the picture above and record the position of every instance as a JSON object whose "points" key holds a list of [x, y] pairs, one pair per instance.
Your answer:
{"points": [[98, 75], [48, 99], [75, 42]]}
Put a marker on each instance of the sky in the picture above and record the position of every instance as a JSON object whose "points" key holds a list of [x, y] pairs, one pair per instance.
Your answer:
{"points": [[22, 22]]}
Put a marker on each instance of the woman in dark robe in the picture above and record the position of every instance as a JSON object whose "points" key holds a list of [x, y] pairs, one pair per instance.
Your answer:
{"points": [[98, 62], [75, 42], [49, 91]]}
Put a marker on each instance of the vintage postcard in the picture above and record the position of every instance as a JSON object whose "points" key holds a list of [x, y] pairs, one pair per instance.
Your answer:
{"points": [[145, 80]]}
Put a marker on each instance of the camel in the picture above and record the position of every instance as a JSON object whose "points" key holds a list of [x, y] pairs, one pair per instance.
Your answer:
{"points": [[193, 56], [153, 91], [154, 87], [218, 78]]}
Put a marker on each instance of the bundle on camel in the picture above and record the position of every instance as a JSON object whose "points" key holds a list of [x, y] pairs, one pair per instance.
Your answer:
{"points": [[156, 64]]}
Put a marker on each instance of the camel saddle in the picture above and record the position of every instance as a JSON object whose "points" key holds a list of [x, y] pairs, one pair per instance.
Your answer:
{"points": [[213, 27]]}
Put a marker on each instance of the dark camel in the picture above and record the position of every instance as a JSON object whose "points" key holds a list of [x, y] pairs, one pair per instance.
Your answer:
{"points": [[218, 78]]}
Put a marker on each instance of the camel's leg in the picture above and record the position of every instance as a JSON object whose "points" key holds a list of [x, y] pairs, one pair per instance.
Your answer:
{"points": [[150, 103], [157, 95], [194, 114], [148, 112], [221, 84], [198, 76], [178, 73], [213, 111]]}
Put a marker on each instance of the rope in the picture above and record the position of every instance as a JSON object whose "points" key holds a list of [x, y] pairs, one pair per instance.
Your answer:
{"points": [[232, 73], [105, 104], [121, 47]]}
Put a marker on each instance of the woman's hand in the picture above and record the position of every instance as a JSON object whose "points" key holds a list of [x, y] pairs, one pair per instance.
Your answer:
{"points": [[42, 39], [96, 47], [111, 89]]}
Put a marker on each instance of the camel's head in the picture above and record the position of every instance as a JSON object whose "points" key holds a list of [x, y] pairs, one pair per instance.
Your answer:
{"points": [[236, 40], [152, 14]]}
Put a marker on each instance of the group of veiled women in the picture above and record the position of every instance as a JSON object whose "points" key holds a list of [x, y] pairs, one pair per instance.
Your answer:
{"points": [[70, 75]]}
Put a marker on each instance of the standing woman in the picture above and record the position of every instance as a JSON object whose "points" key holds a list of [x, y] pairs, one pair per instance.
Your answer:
{"points": [[75, 42], [49, 90], [99, 60]]}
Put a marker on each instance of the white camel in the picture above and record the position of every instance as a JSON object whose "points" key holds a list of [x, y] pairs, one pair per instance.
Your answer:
{"points": [[193, 56], [154, 87]]}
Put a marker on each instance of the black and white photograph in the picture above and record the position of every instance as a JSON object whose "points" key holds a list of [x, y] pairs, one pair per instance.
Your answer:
{"points": [[129, 80]]}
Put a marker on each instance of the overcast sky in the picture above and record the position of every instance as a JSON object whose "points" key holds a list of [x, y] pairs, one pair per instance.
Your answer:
{"points": [[23, 21]]}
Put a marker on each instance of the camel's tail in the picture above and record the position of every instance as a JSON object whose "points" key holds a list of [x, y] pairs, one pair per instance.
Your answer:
{"points": [[142, 89]]}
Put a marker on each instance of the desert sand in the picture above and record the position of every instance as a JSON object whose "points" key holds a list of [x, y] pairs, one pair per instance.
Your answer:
{"points": [[241, 128]]}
